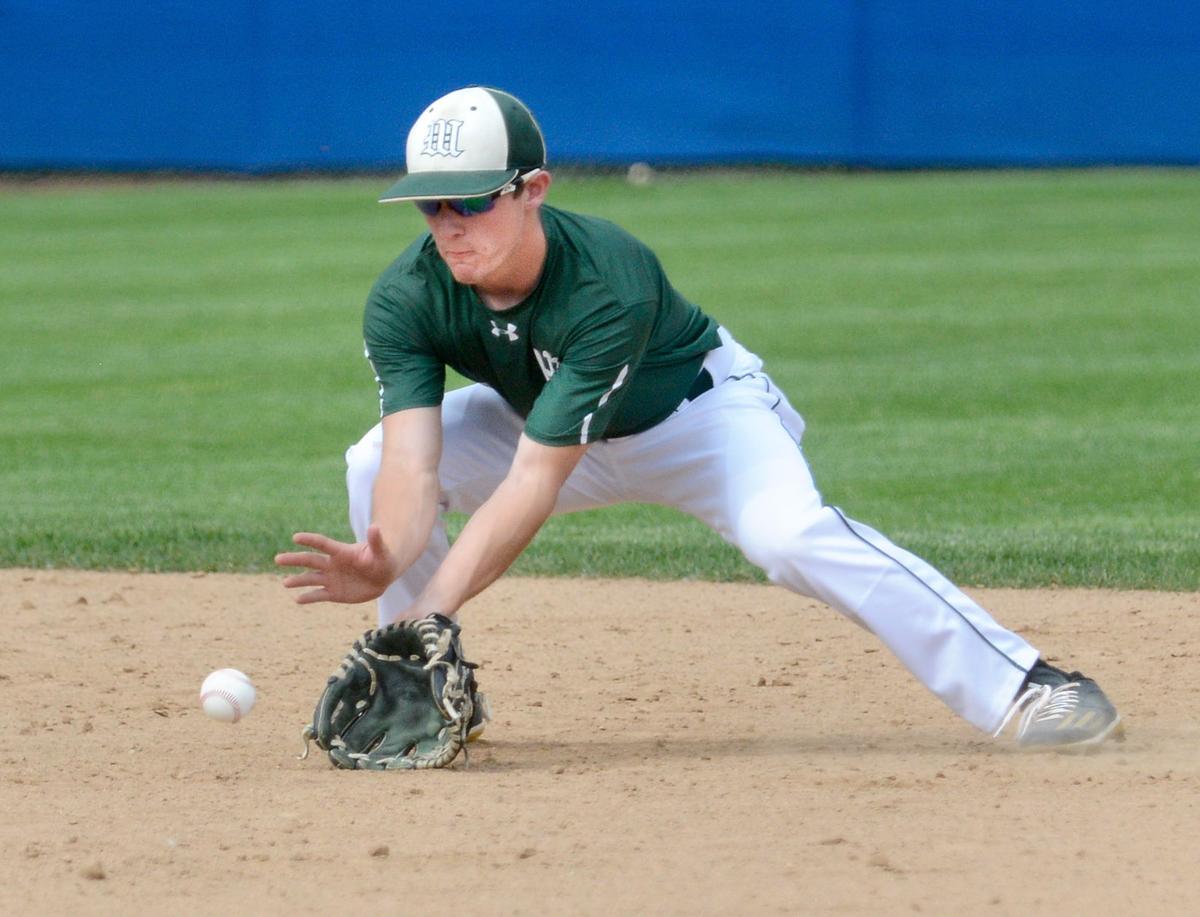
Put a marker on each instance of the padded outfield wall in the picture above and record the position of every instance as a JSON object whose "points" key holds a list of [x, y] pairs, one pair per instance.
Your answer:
{"points": [[264, 85]]}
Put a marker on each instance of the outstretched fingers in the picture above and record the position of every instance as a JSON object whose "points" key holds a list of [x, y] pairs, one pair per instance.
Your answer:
{"points": [[322, 558], [310, 559], [348, 573], [315, 595], [320, 542], [304, 579]]}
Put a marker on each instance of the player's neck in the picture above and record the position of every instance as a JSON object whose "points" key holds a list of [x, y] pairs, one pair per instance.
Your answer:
{"points": [[519, 275]]}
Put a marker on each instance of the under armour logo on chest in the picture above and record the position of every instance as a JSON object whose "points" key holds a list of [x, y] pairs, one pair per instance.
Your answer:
{"points": [[442, 138], [510, 331]]}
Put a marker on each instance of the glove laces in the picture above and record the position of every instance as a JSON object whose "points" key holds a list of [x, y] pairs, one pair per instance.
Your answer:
{"points": [[450, 681]]}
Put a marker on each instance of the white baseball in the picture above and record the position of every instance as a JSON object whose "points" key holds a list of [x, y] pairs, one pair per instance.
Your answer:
{"points": [[227, 695]]}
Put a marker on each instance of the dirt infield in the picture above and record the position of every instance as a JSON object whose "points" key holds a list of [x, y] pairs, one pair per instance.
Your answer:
{"points": [[675, 748]]}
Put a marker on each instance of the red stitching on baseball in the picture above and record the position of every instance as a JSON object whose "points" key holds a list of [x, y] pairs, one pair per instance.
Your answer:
{"points": [[222, 693]]}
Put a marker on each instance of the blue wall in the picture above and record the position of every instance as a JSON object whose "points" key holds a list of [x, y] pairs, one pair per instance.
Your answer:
{"points": [[285, 84]]}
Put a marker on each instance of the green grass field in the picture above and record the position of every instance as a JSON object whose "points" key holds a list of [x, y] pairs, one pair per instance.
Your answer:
{"points": [[1001, 371]]}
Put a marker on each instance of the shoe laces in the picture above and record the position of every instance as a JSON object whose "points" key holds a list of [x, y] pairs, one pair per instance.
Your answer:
{"points": [[1041, 704]]}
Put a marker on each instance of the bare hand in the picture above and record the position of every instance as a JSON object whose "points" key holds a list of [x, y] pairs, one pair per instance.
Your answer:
{"points": [[341, 572]]}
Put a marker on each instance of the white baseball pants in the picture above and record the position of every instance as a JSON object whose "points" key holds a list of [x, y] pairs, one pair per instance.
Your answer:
{"points": [[732, 459]]}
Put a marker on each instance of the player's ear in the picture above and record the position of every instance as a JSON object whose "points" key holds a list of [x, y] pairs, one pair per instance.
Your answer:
{"points": [[534, 190]]}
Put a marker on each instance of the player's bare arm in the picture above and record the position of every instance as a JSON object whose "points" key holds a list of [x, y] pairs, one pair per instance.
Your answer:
{"points": [[404, 510], [502, 527]]}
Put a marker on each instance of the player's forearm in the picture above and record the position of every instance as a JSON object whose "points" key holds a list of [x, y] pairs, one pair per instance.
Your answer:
{"points": [[493, 538], [405, 507], [404, 503]]}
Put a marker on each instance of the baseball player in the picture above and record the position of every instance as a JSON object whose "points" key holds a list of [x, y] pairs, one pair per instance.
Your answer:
{"points": [[596, 382]]}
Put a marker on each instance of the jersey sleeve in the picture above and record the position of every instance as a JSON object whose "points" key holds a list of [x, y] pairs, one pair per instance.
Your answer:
{"points": [[582, 396], [400, 349]]}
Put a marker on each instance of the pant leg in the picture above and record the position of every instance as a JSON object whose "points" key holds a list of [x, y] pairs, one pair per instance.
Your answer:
{"points": [[732, 458], [479, 439]]}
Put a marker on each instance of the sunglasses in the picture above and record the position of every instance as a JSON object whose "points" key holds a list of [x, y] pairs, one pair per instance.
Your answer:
{"points": [[473, 206]]}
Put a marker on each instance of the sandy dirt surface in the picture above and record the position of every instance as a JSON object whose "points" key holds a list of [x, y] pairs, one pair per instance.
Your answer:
{"points": [[678, 748]]}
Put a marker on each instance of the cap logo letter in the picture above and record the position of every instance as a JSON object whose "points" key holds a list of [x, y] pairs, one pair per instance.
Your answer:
{"points": [[442, 138]]}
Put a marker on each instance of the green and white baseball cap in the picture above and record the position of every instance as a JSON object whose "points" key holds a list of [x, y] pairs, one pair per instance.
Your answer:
{"points": [[469, 143]]}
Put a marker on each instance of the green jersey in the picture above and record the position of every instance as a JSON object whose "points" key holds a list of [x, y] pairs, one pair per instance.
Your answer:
{"points": [[604, 346]]}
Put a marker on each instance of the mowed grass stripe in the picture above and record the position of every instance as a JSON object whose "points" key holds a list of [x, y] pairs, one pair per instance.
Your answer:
{"points": [[999, 370]]}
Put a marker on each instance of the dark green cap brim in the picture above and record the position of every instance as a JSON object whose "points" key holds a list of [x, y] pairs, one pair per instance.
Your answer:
{"points": [[418, 186]]}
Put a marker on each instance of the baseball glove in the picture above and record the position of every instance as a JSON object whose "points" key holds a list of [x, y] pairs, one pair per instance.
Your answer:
{"points": [[403, 698]]}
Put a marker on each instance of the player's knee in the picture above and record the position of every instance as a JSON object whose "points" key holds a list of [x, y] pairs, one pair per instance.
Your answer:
{"points": [[790, 543], [774, 537], [362, 465]]}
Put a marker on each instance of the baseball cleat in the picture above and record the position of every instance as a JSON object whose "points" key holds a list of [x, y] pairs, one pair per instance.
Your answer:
{"points": [[1062, 711]]}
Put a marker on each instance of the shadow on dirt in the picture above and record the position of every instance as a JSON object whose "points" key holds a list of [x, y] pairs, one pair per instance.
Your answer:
{"points": [[617, 753]]}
